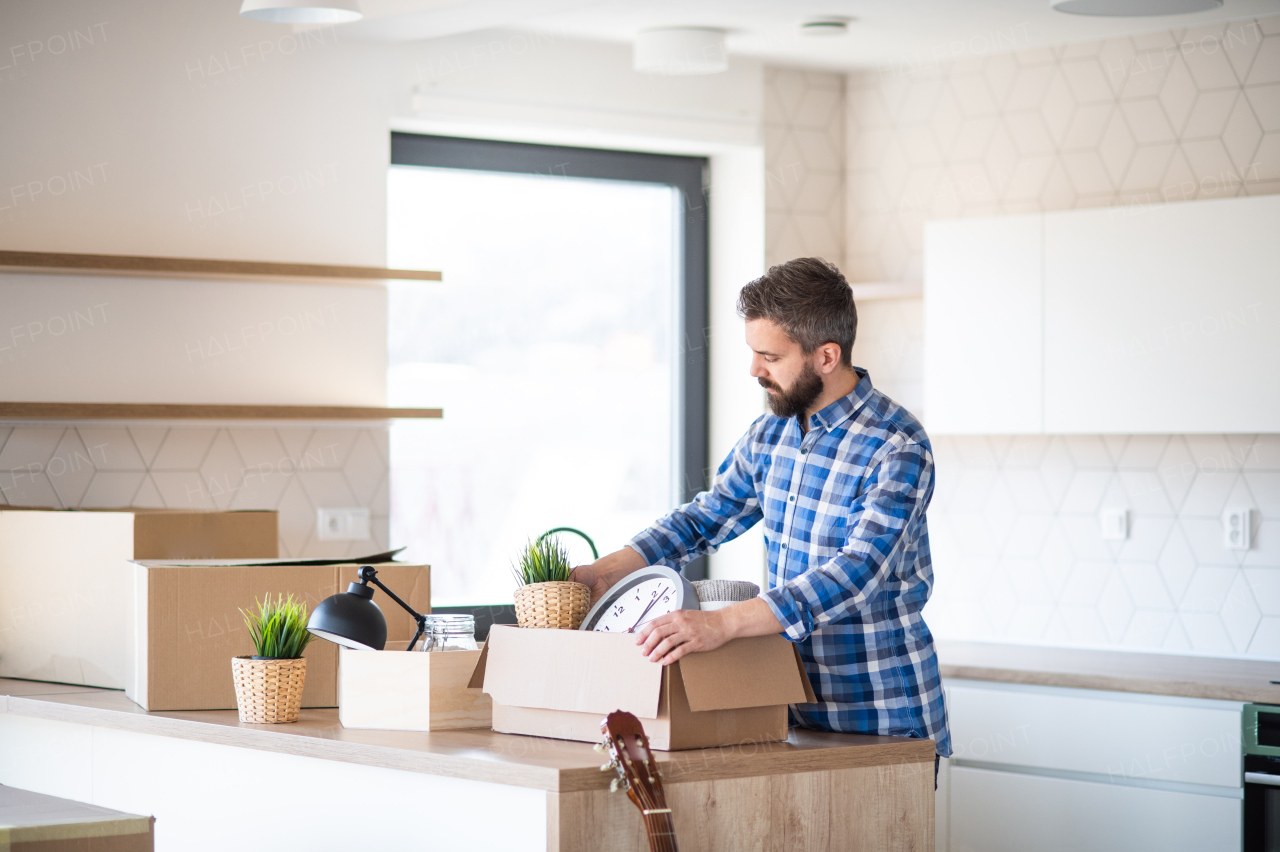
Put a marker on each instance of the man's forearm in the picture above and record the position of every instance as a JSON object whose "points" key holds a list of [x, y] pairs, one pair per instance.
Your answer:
{"points": [[614, 566], [750, 618]]}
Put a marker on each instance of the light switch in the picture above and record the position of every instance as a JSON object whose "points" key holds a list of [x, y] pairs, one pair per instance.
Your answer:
{"points": [[1236, 524], [1115, 524], [343, 524]]}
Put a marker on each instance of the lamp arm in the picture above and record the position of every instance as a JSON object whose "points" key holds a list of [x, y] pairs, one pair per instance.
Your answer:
{"points": [[369, 574]]}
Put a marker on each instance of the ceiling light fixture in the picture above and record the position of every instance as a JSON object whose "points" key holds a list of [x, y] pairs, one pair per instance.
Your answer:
{"points": [[1134, 8], [825, 27], [680, 51], [302, 11]]}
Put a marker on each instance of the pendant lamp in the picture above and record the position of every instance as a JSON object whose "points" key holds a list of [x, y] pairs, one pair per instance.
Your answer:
{"points": [[302, 11]]}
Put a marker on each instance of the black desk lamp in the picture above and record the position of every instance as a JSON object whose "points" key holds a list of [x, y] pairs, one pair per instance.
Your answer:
{"points": [[352, 619]]}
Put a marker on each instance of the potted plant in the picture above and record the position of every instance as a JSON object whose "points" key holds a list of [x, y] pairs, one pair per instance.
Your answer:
{"points": [[269, 684], [545, 596]]}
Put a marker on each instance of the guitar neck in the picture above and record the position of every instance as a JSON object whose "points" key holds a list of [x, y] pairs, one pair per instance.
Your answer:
{"points": [[661, 831]]}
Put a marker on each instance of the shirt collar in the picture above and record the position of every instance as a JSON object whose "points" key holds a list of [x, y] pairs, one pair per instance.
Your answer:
{"points": [[846, 406]]}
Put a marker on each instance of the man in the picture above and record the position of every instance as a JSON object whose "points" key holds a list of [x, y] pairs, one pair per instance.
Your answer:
{"points": [[841, 476]]}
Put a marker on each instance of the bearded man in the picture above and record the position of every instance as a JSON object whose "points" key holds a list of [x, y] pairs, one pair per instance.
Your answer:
{"points": [[841, 475]]}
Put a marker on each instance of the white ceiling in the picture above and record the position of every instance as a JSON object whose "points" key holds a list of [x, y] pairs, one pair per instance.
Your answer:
{"points": [[883, 33]]}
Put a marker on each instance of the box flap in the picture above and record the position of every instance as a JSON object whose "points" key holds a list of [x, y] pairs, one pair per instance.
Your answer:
{"points": [[576, 670], [477, 675], [759, 671], [205, 535], [809, 696]]}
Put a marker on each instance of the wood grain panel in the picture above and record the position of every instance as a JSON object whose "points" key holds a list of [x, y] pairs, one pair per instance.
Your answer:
{"points": [[876, 809], [189, 267], [158, 411]]}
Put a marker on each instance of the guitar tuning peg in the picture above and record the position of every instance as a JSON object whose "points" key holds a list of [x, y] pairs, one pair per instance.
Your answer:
{"points": [[605, 767], [613, 786], [598, 747]]}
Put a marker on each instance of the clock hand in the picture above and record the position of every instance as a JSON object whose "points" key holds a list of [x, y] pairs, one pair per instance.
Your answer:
{"points": [[632, 628]]}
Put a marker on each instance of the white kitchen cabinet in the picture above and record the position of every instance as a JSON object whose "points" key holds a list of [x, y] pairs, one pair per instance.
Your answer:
{"points": [[1163, 318], [1127, 320], [1050, 768], [1119, 736], [995, 811], [982, 325]]}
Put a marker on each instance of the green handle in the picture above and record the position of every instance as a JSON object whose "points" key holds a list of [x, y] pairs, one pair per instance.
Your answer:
{"points": [[594, 553]]}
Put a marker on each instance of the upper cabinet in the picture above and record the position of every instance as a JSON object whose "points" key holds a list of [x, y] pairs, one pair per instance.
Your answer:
{"points": [[1163, 318], [983, 303], [1152, 319]]}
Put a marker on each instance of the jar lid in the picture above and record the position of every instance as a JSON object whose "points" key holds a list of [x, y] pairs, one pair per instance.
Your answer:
{"points": [[451, 622]]}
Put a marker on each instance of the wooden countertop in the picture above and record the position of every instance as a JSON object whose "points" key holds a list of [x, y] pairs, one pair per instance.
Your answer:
{"points": [[1120, 671], [478, 755]]}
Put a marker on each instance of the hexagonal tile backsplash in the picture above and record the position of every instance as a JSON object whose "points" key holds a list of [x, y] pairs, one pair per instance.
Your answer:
{"points": [[1171, 116], [292, 470], [1019, 554], [804, 165]]}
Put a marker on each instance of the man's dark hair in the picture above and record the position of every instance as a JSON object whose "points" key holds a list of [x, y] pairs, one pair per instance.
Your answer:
{"points": [[810, 299]]}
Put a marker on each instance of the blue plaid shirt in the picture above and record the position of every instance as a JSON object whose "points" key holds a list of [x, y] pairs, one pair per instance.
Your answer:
{"points": [[849, 568]]}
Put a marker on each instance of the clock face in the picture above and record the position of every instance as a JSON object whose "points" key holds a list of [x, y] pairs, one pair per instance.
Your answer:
{"points": [[640, 598]]}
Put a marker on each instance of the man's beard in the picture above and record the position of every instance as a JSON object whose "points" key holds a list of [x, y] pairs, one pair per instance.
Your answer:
{"points": [[796, 399]]}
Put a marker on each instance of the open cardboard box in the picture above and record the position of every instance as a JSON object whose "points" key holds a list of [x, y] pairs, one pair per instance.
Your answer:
{"points": [[66, 581], [410, 691], [562, 683], [189, 625]]}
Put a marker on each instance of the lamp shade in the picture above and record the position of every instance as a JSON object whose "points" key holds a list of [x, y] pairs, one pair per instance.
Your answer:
{"points": [[1134, 8], [302, 11], [350, 618]]}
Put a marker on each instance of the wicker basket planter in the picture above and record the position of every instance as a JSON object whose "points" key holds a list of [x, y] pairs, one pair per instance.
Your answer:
{"points": [[268, 691], [557, 605]]}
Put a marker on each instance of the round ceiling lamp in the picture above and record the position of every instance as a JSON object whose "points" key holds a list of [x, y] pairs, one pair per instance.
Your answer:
{"points": [[825, 27], [680, 51], [302, 11], [1134, 8]]}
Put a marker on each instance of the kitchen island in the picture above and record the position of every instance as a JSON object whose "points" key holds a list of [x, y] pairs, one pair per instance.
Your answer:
{"points": [[214, 783]]}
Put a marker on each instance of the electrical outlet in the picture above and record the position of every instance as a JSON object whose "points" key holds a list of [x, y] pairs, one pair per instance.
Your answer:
{"points": [[1115, 524], [343, 525], [1236, 528]]}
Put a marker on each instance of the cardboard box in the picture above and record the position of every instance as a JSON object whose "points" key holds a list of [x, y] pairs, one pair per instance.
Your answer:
{"points": [[189, 625], [66, 581], [561, 683], [410, 691]]}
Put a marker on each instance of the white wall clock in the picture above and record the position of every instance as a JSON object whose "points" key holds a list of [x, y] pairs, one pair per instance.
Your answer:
{"points": [[640, 597]]}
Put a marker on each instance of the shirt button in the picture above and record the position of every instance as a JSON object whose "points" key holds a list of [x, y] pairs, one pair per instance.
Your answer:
{"points": [[804, 452], [784, 547], [792, 498]]}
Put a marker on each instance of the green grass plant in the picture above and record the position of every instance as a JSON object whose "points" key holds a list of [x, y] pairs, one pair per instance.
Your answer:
{"points": [[545, 560], [278, 628]]}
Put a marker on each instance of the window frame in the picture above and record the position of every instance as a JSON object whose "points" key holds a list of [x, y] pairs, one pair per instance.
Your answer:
{"points": [[688, 176]]}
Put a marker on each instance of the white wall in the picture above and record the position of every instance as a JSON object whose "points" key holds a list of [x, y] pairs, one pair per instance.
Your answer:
{"points": [[197, 133]]}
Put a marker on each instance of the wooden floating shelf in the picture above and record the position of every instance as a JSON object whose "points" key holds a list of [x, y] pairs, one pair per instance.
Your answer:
{"points": [[186, 267], [156, 411]]}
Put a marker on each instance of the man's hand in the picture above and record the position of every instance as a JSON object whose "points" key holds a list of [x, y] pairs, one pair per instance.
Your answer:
{"points": [[687, 631], [600, 575]]}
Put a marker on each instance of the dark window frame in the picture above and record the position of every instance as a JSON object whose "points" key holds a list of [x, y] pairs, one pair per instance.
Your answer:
{"points": [[688, 175]]}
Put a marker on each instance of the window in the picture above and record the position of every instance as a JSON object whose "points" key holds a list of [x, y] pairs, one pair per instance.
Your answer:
{"points": [[558, 346]]}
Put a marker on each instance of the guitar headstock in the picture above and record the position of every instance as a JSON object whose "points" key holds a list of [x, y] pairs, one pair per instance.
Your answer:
{"points": [[631, 757]]}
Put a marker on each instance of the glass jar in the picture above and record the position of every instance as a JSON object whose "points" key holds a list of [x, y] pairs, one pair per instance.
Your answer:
{"points": [[450, 633]]}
